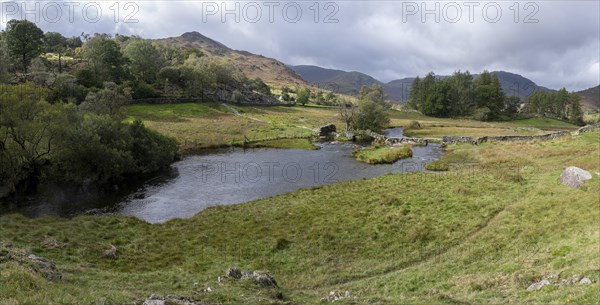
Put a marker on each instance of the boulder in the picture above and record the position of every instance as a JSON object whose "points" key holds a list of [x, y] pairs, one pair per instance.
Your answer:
{"points": [[327, 130], [574, 177]]}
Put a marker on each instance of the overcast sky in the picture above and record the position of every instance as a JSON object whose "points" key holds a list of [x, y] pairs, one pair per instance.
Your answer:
{"points": [[554, 43]]}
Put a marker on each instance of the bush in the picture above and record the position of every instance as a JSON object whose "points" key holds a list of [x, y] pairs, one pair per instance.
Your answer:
{"points": [[482, 114]]}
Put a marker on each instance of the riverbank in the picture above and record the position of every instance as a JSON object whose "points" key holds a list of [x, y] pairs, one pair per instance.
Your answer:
{"points": [[462, 236]]}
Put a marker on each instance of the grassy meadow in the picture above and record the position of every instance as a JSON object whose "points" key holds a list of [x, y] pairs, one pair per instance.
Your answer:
{"points": [[206, 125], [480, 233]]}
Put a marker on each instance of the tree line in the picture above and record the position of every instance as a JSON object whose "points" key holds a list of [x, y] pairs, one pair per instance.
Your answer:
{"points": [[482, 98]]}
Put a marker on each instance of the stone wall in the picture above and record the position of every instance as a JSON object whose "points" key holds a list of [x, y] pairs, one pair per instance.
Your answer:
{"points": [[220, 95], [475, 141]]}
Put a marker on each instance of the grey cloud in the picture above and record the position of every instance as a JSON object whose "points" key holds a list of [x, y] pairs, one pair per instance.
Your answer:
{"points": [[562, 49]]}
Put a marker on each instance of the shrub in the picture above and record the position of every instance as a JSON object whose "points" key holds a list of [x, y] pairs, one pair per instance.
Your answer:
{"points": [[413, 125]]}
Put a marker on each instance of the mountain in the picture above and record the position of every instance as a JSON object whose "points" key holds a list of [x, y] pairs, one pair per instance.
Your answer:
{"points": [[335, 80], [397, 90], [253, 66], [590, 98], [517, 85]]}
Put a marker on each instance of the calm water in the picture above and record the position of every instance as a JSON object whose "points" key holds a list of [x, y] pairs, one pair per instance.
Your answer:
{"points": [[226, 177]]}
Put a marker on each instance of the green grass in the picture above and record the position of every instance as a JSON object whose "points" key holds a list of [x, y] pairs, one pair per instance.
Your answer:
{"points": [[286, 143], [207, 125], [437, 166], [473, 235], [383, 155], [547, 123]]}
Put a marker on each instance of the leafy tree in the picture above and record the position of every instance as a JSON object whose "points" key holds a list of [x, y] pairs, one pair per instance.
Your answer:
{"points": [[575, 113], [372, 112], [145, 60], [107, 101], [26, 134], [414, 96], [488, 93], [24, 41], [56, 43], [511, 105], [105, 59], [5, 61], [303, 96]]}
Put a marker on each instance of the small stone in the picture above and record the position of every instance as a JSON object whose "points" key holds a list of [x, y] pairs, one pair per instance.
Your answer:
{"points": [[585, 280], [111, 253]]}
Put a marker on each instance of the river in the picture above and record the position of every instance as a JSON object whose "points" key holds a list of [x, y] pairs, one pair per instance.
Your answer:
{"points": [[225, 176]]}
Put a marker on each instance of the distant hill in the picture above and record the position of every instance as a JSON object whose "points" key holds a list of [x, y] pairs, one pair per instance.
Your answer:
{"points": [[253, 66], [590, 98], [335, 80]]}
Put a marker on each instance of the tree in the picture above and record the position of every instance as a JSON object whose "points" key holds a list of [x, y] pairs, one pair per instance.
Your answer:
{"points": [[27, 133], [24, 41], [303, 96], [145, 60], [511, 105], [488, 93], [347, 110], [4, 60], [372, 112], [575, 113], [414, 96], [105, 58], [56, 43], [107, 101]]}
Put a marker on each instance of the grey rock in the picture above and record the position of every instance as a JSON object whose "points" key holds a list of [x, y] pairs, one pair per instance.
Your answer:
{"points": [[111, 253], [574, 177], [585, 280], [538, 285]]}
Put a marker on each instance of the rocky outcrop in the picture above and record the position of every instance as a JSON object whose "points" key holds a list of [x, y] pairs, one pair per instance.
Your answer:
{"points": [[559, 283], [588, 128], [574, 177], [40, 265], [263, 279]]}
